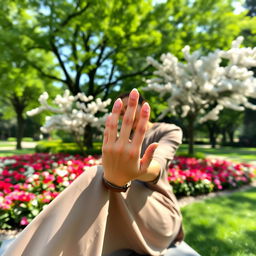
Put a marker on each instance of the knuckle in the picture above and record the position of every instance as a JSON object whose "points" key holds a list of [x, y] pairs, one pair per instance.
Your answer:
{"points": [[132, 102], [132, 154], [108, 120], [119, 149], [128, 120], [113, 125], [108, 149], [104, 149], [142, 129]]}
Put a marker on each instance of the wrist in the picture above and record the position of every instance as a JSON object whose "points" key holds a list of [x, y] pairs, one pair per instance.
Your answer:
{"points": [[113, 180], [113, 187]]}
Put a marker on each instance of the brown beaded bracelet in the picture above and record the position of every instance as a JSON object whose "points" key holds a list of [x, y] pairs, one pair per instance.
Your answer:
{"points": [[114, 187]]}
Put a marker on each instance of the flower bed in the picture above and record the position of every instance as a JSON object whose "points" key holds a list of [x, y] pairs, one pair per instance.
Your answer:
{"points": [[191, 176], [29, 182]]}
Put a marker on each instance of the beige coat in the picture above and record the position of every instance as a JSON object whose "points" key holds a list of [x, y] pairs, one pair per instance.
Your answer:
{"points": [[86, 219]]}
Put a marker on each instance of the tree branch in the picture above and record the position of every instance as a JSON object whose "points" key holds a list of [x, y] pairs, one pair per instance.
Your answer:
{"points": [[45, 74], [102, 49], [73, 15], [86, 40], [73, 45], [108, 55], [107, 87], [62, 64], [140, 72]]}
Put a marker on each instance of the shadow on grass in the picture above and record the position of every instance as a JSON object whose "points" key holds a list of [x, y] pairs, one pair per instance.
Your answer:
{"points": [[218, 226], [200, 242], [240, 201]]}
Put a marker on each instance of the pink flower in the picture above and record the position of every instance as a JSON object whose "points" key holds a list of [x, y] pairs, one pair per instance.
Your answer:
{"points": [[24, 221]]}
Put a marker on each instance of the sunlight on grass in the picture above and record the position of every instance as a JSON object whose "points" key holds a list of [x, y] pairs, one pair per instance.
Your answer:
{"points": [[16, 152], [6, 144], [223, 225], [232, 153]]}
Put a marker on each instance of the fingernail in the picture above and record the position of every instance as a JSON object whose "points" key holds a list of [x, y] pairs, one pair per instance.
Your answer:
{"points": [[117, 104], [134, 93], [146, 107]]}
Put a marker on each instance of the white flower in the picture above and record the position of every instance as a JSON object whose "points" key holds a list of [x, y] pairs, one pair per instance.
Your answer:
{"points": [[73, 113], [9, 162], [61, 172], [195, 86]]}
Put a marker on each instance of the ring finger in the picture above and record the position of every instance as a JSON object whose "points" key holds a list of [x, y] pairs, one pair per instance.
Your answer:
{"points": [[113, 121]]}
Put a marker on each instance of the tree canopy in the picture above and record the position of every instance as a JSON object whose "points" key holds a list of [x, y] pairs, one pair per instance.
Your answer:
{"points": [[99, 47]]}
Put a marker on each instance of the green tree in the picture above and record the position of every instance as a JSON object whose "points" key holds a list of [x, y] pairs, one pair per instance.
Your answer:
{"points": [[20, 84], [228, 123], [99, 47], [93, 42], [20, 89], [248, 137]]}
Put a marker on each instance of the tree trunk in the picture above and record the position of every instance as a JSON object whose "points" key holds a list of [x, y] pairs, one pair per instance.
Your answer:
{"points": [[88, 137], [19, 104], [20, 129], [212, 133], [224, 137], [231, 136], [191, 122]]}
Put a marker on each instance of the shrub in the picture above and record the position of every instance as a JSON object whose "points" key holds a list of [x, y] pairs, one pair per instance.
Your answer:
{"points": [[46, 146], [57, 146], [11, 139], [27, 139]]}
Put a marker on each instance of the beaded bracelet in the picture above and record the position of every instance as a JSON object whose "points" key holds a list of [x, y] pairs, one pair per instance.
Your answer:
{"points": [[114, 187]]}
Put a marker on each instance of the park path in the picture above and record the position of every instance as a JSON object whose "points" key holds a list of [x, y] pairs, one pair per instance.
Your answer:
{"points": [[192, 199], [24, 144]]}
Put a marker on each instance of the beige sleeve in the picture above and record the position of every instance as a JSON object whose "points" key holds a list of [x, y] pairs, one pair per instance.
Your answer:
{"points": [[167, 146]]}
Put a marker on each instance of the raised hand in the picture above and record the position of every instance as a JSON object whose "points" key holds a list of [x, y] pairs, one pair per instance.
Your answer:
{"points": [[120, 155]]}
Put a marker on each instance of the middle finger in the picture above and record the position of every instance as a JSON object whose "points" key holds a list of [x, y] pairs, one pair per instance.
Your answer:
{"points": [[129, 115]]}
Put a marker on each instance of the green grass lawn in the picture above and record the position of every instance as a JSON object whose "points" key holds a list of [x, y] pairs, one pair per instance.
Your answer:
{"points": [[11, 152], [222, 226], [16, 152], [232, 153], [6, 144]]}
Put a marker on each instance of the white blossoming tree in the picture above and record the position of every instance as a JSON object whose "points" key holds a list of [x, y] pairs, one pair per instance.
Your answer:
{"points": [[201, 86], [73, 114]]}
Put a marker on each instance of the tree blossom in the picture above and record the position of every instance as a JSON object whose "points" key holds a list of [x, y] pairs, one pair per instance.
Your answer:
{"points": [[202, 85], [73, 113]]}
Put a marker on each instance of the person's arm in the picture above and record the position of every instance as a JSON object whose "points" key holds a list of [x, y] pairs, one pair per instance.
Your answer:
{"points": [[120, 155], [168, 142]]}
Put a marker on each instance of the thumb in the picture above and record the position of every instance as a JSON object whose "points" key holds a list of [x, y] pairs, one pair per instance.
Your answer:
{"points": [[147, 157]]}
